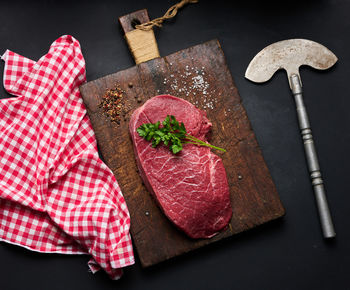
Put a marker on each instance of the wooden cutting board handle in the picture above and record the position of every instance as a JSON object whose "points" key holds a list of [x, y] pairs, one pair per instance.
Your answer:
{"points": [[142, 44]]}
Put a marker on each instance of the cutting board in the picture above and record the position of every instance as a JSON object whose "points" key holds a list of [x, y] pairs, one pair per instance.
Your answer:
{"points": [[200, 75]]}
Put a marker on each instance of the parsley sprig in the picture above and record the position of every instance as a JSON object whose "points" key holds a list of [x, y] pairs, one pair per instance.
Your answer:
{"points": [[172, 134]]}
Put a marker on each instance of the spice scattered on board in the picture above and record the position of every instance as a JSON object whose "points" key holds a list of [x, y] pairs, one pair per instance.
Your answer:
{"points": [[114, 105], [192, 82]]}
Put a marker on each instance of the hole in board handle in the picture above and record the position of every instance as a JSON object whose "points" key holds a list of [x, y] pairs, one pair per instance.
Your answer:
{"points": [[135, 22]]}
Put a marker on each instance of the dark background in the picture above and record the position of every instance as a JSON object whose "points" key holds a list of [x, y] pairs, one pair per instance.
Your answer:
{"points": [[286, 254]]}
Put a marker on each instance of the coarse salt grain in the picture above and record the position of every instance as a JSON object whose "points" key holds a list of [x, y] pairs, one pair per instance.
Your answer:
{"points": [[198, 85]]}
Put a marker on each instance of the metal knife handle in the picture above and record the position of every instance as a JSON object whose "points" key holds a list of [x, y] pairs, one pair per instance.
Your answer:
{"points": [[312, 161]]}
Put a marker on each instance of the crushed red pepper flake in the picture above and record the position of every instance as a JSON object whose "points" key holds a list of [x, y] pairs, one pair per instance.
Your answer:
{"points": [[114, 105]]}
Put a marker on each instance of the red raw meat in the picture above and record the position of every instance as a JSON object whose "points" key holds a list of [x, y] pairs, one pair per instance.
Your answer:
{"points": [[190, 187]]}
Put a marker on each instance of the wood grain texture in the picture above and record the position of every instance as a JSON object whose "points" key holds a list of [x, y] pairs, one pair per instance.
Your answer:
{"points": [[200, 75]]}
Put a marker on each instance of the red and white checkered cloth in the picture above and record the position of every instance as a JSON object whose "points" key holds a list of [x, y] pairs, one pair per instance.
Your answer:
{"points": [[56, 195]]}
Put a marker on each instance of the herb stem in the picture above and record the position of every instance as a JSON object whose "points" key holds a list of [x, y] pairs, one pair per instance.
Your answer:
{"points": [[199, 142]]}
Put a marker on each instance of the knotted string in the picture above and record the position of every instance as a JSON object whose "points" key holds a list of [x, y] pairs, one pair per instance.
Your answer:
{"points": [[172, 11]]}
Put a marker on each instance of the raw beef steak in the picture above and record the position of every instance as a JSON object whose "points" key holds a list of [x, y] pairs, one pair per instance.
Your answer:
{"points": [[190, 187]]}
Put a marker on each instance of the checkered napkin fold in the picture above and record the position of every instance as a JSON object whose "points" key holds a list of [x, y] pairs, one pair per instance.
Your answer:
{"points": [[56, 195]]}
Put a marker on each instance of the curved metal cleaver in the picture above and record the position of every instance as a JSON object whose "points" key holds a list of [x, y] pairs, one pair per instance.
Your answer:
{"points": [[290, 55]]}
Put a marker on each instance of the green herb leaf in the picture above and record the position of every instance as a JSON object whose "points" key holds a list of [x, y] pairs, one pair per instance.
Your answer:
{"points": [[176, 148], [173, 134]]}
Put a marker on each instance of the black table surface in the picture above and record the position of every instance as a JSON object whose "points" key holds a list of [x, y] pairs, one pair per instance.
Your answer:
{"points": [[286, 254]]}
